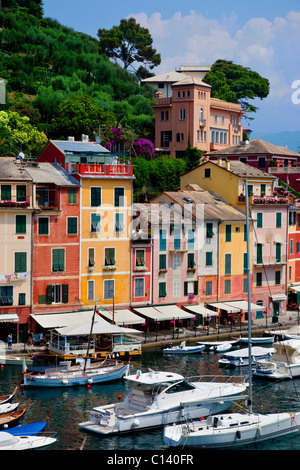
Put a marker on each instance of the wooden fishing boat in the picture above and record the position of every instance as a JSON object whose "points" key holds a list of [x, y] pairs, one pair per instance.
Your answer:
{"points": [[14, 418], [9, 407], [8, 398], [30, 429]]}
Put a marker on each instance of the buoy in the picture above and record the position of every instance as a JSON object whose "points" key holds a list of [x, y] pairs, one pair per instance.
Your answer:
{"points": [[88, 386], [2, 366], [119, 397]]}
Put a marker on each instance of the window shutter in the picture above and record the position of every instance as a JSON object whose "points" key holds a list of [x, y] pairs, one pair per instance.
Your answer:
{"points": [[6, 192], [21, 262], [195, 287], [185, 288], [65, 293], [20, 223], [49, 294]]}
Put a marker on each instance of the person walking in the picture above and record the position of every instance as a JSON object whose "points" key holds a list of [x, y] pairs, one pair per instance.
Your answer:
{"points": [[9, 341]]}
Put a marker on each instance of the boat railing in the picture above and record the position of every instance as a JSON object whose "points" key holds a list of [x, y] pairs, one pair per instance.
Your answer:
{"points": [[219, 378]]}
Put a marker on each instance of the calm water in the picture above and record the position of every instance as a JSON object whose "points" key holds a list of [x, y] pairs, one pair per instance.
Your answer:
{"points": [[70, 406]]}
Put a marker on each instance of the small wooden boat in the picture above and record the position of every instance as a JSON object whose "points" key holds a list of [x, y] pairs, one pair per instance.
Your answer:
{"points": [[30, 429], [10, 442], [14, 418], [9, 407], [14, 360], [8, 398], [183, 349]]}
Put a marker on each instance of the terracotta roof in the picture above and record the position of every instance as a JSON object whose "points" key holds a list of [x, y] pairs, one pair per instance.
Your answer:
{"points": [[191, 81], [242, 169], [255, 147]]}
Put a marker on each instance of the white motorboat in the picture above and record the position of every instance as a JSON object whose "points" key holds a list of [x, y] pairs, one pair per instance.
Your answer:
{"points": [[219, 346], [230, 430], [159, 398], [11, 442], [14, 360], [226, 346], [240, 357], [258, 340], [284, 364], [183, 349], [107, 370], [292, 333]]}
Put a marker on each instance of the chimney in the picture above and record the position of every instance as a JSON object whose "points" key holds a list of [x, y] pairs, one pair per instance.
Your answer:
{"points": [[227, 164]]}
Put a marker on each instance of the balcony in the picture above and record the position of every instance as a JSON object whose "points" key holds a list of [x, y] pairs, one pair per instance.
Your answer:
{"points": [[177, 247], [270, 260], [92, 169], [202, 123]]}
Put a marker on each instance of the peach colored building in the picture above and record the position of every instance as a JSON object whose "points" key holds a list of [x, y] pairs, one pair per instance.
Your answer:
{"points": [[189, 115]]}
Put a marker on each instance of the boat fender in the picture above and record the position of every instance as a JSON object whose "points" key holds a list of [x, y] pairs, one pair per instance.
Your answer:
{"points": [[136, 422], [65, 381], [90, 381], [238, 434]]}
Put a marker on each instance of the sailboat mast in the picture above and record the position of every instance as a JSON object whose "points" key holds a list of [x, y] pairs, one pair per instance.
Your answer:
{"points": [[249, 297], [90, 335]]}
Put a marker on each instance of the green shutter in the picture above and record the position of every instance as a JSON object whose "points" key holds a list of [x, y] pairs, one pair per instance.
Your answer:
{"points": [[49, 294], [21, 193], [58, 259], [21, 262], [72, 225], [185, 287], [20, 223], [245, 263], [227, 263], [259, 253], [195, 287], [65, 293], [278, 252], [228, 233], [43, 226], [95, 197], [6, 192], [71, 196], [259, 219]]}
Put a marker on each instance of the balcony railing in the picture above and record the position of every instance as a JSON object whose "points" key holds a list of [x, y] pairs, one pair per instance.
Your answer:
{"points": [[100, 169], [270, 260]]}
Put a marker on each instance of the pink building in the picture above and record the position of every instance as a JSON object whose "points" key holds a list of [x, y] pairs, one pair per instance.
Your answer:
{"points": [[189, 115]]}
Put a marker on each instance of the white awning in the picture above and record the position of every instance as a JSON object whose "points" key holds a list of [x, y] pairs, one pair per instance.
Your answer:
{"points": [[200, 309], [223, 306], [164, 312], [295, 288], [8, 317], [278, 297], [243, 305], [79, 323], [122, 317]]}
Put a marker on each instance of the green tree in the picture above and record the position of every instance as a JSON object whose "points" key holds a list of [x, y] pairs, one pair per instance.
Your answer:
{"points": [[192, 157], [237, 84], [129, 42]]}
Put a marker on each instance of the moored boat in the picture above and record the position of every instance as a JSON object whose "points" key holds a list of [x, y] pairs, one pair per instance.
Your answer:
{"points": [[8, 420], [8, 398], [158, 398], [284, 363], [183, 349], [258, 340], [11, 442], [93, 373], [240, 357]]}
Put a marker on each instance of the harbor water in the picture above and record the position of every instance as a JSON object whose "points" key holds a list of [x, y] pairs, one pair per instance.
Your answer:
{"points": [[70, 406]]}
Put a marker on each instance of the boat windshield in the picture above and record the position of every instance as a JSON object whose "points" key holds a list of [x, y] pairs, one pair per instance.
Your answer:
{"points": [[182, 386]]}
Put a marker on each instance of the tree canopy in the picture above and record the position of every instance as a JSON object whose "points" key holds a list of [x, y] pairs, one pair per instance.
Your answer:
{"points": [[237, 84], [129, 42]]}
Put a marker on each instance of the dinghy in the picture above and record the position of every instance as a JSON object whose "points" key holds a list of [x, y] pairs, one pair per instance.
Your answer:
{"points": [[183, 349], [11, 442]]}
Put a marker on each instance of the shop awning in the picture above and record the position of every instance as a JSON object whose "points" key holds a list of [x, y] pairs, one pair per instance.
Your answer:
{"points": [[79, 323], [8, 317], [278, 297], [164, 312], [295, 288], [228, 308], [201, 310], [243, 305], [122, 317]]}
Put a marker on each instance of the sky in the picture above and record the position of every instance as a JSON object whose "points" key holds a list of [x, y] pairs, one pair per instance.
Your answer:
{"points": [[263, 35]]}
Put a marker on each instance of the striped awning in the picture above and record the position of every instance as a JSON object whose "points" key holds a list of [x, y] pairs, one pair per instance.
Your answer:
{"points": [[8, 317]]}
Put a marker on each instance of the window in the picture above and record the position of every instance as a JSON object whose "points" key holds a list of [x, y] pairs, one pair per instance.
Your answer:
{"points": [[191, 260], [95, 223], [139, 287], [177, 239], [119, 222], [71, 196], [22, 299], [209, 230], [262, 189], [21, 262], [245, 263], [191, 239], [109, 289], [278, 219], [95, 196], [261, 162], [162, 289], [58, 259], [227, 286], [162, 240], [6, 295], [208, 288], [207, 173], [72, 225], [140, 257], [91, 257], [43, 226], [163, 261], [277, 277], [110, 256], [259, 253], [57, 293], [227, 263], [245, 285], [259, 219], [21, 193], [258, 279], [292, 218], [297, 247], [228, 233], [176, 260], [91, 290], [278, 252], [250, 189], [245, 233], [5, 192], [176, 288], [191, 288], [182, 114], [208, 256], [215, 119], [20, 223], [119, 194], [291, 246]]}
